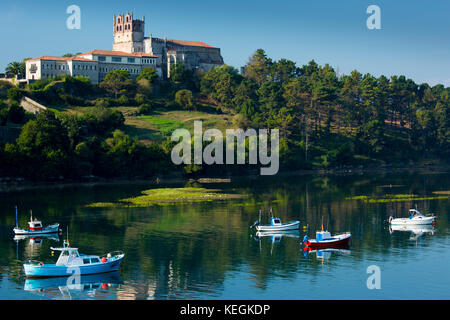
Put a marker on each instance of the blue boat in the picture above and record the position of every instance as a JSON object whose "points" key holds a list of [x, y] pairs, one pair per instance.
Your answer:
{"points": [[70, 262]]}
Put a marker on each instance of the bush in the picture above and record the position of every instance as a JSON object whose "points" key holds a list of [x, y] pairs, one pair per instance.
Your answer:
{"points": [[123, 100], [15, 94], [184, 99], [145, 108], [102, 103], [4, 112], [16, 113], [140, 98]]}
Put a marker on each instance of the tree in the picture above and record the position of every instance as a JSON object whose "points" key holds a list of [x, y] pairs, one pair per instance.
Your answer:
{"points": [[258, 67], [283, 70], [148, 73], [116, 82], [184, 99], [15, 69], [45, 145]]}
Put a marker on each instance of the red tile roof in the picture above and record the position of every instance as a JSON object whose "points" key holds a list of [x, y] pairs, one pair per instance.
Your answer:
{"points": [[62, 58], [118, 53], [191, 43]]}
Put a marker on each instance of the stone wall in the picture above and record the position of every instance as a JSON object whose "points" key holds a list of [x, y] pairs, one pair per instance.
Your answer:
{"points": [[32, 106]]}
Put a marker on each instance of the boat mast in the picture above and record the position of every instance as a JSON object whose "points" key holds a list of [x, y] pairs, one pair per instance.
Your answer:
{"points": [[17, 224]]}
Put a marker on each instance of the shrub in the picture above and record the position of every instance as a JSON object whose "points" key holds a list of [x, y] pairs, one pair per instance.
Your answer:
{"points": [[16, 113], [145, 108], [123, 100], [140, 98], [184, 99], [15, 94]]}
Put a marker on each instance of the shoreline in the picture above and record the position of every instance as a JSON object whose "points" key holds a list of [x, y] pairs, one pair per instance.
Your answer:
{"points": [[20, 184]]}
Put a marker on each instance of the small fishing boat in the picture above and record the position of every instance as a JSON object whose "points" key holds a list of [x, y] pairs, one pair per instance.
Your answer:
{"points": [[35, 227], [415, 218], [275, 224], [71, 261], [324, 239]]}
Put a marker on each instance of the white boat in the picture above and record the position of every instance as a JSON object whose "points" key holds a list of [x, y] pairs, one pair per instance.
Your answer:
{"points": [[70, 260], [415, 218], [275, 224], [35, 227]]}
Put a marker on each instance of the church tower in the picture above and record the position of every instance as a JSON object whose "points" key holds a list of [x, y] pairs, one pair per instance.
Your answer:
{"points": [[128, 33]]}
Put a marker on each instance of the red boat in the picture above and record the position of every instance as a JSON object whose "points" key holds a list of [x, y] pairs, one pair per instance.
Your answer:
{"points": [[325, 240]]}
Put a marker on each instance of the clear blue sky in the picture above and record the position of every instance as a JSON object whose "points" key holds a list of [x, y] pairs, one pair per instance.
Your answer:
{"points": [[414, 40]]}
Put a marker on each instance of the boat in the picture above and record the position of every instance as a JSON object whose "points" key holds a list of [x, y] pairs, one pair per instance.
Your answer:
{"points": [[275, 224], [35, 227], [71, 261], [415, 218], [324, 239]]}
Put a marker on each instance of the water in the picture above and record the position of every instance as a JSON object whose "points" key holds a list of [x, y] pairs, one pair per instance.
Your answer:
{"points": [[207, 251]]}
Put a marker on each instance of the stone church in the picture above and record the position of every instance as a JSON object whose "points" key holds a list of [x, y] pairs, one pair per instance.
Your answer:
{"points": [[129, 37]]}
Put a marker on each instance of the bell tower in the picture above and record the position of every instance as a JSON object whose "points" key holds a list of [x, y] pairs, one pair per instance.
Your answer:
{"points": [[128, 33]]}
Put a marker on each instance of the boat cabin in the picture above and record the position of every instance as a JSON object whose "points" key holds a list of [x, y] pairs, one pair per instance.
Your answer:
{"points": [[322, 235], [70, 256], [414, 213], [35, 225], [275, 222]]}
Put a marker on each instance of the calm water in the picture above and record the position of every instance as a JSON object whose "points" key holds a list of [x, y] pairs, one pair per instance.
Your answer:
{"points": [[207, 251]]}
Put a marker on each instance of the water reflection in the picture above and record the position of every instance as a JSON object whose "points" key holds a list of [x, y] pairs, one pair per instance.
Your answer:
{"points": [[95, 286], [416, 231], [275, 236], [326, 254], [206, 250]]}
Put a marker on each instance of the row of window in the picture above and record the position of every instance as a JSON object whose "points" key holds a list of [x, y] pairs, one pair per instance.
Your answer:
{"points": [[64, 67], [129, 60], [130, 70]]}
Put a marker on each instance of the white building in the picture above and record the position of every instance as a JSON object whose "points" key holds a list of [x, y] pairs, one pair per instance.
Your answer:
{"points": [[94, 64]]}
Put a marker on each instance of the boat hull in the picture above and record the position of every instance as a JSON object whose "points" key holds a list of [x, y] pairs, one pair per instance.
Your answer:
{"points": [[414, 221], [286, 226], [338, 241], [50, 229], [52, 270]]}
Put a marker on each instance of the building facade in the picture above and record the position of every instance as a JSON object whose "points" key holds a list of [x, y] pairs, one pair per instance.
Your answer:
{"points": [[129, 37], [132, 51], [94, 64]]}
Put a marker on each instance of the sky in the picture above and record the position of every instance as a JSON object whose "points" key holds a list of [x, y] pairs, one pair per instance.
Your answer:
{"points": [[413, 40]]}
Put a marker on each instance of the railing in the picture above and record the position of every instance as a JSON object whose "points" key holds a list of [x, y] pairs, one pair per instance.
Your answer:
{"points": [[34, 262], [113, 255]]}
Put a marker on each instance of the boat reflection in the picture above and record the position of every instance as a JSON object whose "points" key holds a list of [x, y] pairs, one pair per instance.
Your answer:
{"points": [[275, 236], [66, 287], [36, 240], [416, 231], [325, 254]]}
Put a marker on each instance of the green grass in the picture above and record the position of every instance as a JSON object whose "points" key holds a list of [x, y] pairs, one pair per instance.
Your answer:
{"points": [[394, 198], [166, 196]]}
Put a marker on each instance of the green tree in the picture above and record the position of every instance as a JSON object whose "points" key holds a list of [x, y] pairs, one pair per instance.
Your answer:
{"points": [[258, 67], [148, 73], [184, 99], [15, 69], [117, 82]]}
